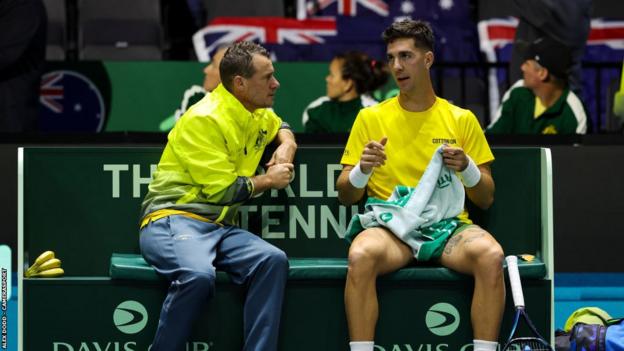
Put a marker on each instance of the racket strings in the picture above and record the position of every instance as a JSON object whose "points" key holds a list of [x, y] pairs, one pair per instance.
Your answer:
{"points": [[528, 344]]}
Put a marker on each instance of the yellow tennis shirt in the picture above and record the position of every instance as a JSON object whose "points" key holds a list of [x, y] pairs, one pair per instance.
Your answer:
{"points": [[412, 139]]}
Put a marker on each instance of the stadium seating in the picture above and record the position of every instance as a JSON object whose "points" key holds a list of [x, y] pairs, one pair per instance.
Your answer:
{"points": [[120, 30], [57, 30]]}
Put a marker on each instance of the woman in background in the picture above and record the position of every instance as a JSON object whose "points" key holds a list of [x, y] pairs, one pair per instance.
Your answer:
{"points": [[352, 76]]}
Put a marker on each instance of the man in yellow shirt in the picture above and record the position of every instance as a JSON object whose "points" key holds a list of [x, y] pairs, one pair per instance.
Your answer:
{"points": [[391, 144], [206, 172]]}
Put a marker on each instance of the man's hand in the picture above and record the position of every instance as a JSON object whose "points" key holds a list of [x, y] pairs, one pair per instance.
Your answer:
{"points": [[284, 153], [454, 158], [374, 155], [280, 175]]}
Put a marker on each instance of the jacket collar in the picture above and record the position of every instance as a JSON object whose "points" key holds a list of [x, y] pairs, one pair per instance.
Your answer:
{"points": [[557, 107], [234, 107]]}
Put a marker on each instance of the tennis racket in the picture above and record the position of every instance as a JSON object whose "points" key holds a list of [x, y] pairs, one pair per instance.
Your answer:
{"points": [[534, 342]]}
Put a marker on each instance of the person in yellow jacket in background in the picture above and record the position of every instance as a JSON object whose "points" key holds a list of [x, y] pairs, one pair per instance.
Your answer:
{"points": [[618, 99], [206, 172]]}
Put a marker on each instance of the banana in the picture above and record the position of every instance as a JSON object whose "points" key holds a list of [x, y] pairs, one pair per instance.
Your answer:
{"points": [[44, 257], [49, 264], [48, 255], [50, 273]]}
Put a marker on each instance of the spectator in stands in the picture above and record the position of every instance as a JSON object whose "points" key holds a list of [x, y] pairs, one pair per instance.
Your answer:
{"points": [[22, 55], [566, 21], [390, 144], [195, 93], [541, 103], [352, 76], [205, 174]]}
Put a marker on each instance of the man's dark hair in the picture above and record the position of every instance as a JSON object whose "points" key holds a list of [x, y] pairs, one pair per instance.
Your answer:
{"points": [[419, 31], [237, 61]]}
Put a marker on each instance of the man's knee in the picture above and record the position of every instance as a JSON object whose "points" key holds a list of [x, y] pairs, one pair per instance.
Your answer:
{"points": [[200, 281], [276, 259], [363, 257], [490, 259]]}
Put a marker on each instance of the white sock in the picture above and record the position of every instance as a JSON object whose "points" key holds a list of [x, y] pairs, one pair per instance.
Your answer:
{"points": [[362, 345], [482, 345]]}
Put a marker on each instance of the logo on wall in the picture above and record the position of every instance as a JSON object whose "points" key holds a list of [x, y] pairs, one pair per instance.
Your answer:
{"points": [[70, 102], [442, 319], [130, 317]]}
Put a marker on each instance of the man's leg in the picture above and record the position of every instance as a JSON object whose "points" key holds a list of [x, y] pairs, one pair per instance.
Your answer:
{"points": [[374, 252], [264, 269], [182, 249], [474, 251]]}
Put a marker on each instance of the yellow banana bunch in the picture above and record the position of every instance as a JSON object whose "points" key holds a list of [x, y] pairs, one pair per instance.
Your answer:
{"points": [[46, 266]]}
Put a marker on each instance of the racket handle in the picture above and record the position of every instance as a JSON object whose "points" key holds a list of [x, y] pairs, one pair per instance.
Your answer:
{"points": [[514, 280]]}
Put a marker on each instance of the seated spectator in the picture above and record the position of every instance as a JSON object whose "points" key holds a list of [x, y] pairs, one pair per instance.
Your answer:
{"points": [[195, 93], [542, 102], [351, 77]]}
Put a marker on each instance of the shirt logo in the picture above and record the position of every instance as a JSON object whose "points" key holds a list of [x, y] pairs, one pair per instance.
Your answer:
{"points": [[444, 141], [261, 139], [551, 129]]}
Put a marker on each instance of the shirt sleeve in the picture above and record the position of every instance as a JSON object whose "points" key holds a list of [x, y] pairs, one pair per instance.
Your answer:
{"points": [[473, 140], [357, 139]]}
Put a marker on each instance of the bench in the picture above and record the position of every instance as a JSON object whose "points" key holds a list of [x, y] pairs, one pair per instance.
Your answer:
{"points": [[134, 267], [77, 198]]}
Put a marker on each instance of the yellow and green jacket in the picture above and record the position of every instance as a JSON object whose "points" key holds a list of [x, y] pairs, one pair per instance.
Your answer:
{"points": [[211, 154]]}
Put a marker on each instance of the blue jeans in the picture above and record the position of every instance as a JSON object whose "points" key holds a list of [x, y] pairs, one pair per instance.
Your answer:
{"points": [[187, 251]]}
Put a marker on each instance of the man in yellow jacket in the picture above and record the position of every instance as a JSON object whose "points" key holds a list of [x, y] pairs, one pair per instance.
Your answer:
{"points": [[206, 172]]}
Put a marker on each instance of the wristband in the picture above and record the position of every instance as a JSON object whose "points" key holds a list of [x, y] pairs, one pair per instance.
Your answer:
{"points": [[471, 175], [357, 178]]}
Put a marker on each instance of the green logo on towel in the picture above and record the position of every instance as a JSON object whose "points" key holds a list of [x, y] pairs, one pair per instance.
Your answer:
{"points": [[442, 319], [130, 317], [386, 217], [444, 180]]}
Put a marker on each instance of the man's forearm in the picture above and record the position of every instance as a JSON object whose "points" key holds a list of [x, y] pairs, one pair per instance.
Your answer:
{"points": [[261, 183], [286, 142], [482, 194], [347, 193]]}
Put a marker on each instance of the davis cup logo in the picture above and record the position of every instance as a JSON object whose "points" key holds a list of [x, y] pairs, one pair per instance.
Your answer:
{"points": [[442, 319], [130, 317], [69, 101]]}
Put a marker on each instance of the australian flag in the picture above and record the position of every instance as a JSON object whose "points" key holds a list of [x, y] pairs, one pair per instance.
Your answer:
{"points": [[287, 39], [69, 101], [352, 8], [327, 27]]}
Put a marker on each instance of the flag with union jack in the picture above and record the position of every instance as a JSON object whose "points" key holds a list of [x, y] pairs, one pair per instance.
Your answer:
{"points": [[451, 20], [51, 92], [337, 26], [70, 101], [310, 8], [277, 34]]}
